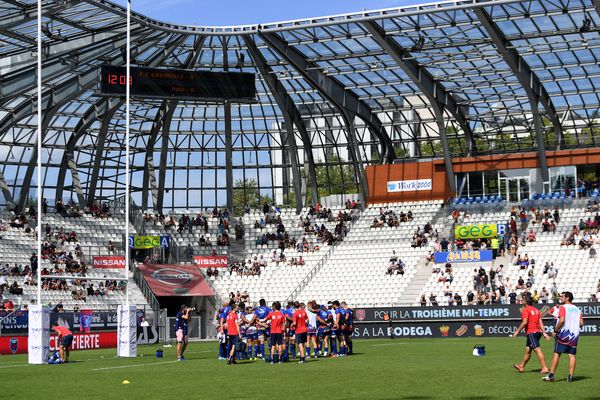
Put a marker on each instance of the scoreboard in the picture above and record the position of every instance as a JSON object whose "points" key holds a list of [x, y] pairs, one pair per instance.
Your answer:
{"points": [[178, 84]]}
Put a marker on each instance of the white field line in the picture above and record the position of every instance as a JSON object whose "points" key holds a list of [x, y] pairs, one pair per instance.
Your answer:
{"points": [[14, 366], [388, 344], [135, 365]]}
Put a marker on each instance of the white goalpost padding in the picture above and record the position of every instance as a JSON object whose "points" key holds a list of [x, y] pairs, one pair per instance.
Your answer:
{"points": [[38, 343], [127, 331]]}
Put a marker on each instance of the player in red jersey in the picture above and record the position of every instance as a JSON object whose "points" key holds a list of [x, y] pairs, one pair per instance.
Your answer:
{"points": [[65, 338], [531, 320], [300, 326], [277, 319], [233, 332]]}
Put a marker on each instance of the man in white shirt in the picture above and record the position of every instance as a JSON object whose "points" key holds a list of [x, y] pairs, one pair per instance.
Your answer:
{"points": [[566, 332]]}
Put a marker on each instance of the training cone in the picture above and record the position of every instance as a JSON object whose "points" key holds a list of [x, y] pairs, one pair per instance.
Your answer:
{"points": [[126, 382]]}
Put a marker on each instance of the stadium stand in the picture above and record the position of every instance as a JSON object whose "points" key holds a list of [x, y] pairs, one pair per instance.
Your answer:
{"points": [[278, 278], [356, 271], [464, 112], [103, 292]]}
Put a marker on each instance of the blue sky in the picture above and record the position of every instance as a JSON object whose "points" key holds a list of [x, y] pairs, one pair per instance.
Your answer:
{"points": [[240, 12]]}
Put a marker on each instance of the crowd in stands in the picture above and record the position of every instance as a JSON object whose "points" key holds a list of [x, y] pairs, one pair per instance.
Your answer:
{"points": [[491, 287], [389, 218], [62, 260], [396, 265]]}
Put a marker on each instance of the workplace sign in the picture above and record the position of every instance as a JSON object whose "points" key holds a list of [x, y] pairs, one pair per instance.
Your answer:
{"points": [[149, 242], [481, 231], [409, 186]]}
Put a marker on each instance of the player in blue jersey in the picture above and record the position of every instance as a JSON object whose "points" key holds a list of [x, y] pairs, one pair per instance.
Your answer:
{"points": [[181, 330], [261, 313], [348, 327], [336, 328], [290, 335], [324, 323]]}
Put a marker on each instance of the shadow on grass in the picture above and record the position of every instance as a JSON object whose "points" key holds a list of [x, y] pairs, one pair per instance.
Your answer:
{"points": [[576, 379]]}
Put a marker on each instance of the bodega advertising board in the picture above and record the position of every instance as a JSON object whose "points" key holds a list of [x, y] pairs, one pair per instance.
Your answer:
{"points": [[459, 313], [454, 329]]}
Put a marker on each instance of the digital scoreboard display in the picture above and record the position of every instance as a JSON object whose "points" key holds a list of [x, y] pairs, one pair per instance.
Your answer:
{"points": [[178, 84]]}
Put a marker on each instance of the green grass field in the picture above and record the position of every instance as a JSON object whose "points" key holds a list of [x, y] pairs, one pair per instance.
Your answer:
{"points": [[381, 369]]}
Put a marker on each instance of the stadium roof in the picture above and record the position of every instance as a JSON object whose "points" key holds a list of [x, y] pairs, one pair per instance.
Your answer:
{"points": [[334, 94]]}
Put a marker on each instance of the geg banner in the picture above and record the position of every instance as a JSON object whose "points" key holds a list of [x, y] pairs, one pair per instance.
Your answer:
{"points": [[481, 231], [149, 242]]}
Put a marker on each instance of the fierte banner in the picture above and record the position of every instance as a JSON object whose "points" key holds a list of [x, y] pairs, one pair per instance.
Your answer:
{"points": [[211, 261], [463, 256], [481, 231], [460, 313], [108, 261], [17, 344], [454, 329], [175, 280]]}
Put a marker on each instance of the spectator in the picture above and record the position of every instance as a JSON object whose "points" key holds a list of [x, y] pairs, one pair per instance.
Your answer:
{"points": [[433, 300], [544, 294], [531, 236], [470, 297]]}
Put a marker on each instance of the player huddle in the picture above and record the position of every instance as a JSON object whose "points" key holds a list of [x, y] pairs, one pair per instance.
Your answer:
{"points": [[298, 330]]}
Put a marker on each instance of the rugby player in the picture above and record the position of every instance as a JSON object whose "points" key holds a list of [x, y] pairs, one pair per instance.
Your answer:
{"points": [[251, 332], [233, 332], [531, 320], [277, 320], [263, 329], [566, 333], [311, 331], [299, 325], [348, 328], [324, 323]]}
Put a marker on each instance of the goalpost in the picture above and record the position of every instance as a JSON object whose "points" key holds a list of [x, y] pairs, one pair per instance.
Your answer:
{"points": [[39, 315], [127, 323]]}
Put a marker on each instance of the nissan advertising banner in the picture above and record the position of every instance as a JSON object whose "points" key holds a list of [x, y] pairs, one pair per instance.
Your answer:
{"points": [[108, 261], [459, 313], [211, 261], [175, 280]]}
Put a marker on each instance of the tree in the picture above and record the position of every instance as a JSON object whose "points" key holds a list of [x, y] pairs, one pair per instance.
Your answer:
{"points": [[333, 178], [245, 192]]}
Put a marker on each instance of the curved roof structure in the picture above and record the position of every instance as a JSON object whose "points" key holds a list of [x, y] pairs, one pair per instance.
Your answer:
{"points": [[334, 94]]}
